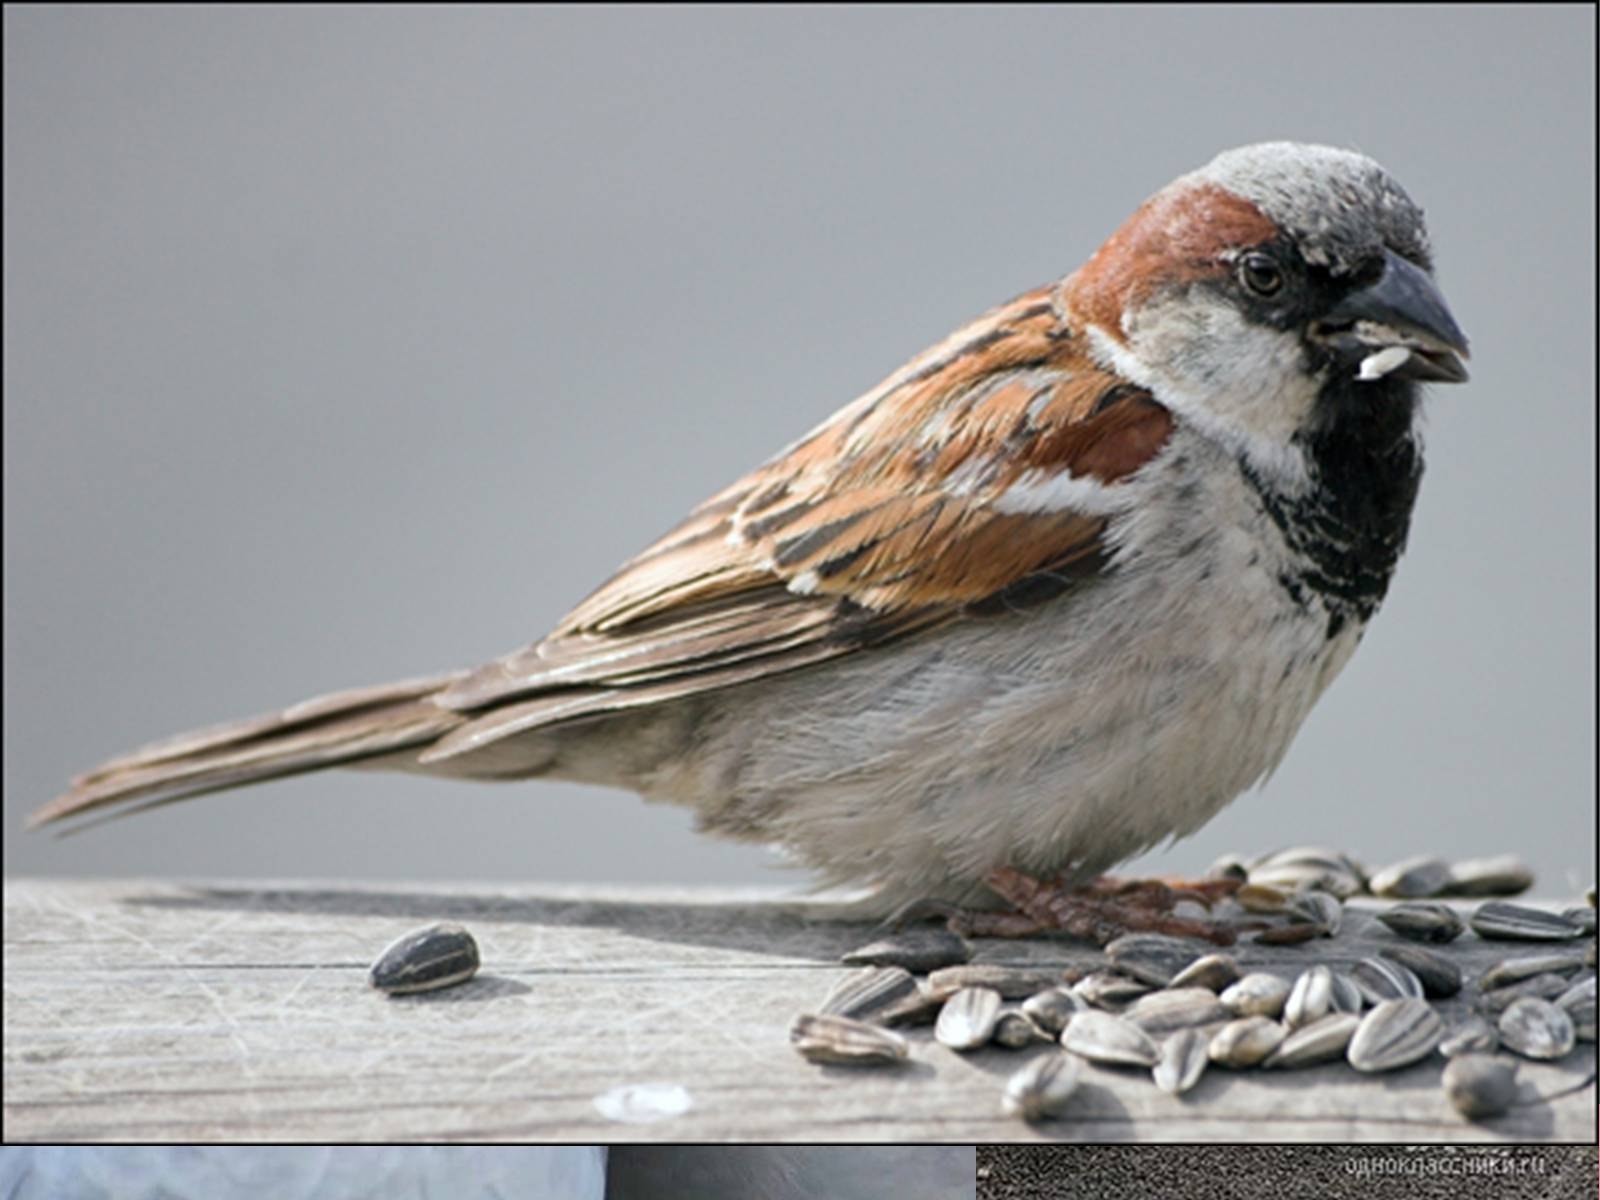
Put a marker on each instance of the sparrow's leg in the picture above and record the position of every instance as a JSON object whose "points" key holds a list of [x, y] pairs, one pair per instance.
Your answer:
{"points": [[1098, 912]]}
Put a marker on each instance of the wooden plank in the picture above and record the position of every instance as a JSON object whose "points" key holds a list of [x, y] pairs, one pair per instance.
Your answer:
{"points": [[156, 1011]]}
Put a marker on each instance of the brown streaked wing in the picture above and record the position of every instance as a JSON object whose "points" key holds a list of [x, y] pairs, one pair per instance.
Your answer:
{"points": [[878, 523]]}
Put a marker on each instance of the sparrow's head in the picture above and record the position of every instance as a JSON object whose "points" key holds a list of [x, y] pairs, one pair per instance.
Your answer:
{"points": [[1278, 289]]}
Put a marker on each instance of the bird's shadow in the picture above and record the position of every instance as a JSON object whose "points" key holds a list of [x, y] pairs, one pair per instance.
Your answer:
{"points": [[791, 929]]}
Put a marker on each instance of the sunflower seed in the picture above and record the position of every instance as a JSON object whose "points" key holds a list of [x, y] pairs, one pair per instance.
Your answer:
{"points": [[1589, 954], [1103, 1038], [1424, 922], [1183, 1060], [1290, 935], [1152, 958], [868, 991], [919, 1008], [1106, 989], [1043, 1087], [1438, 975], [1505, 875], [1473, 1036], [1175, 1008], [1583, 918], [1214, 971], [1526, 966], [1256, 995], [967, 1019], [1310, 999], [1304, 877], [1423, 875], [1537, 1029], [1540, 987], [1051, 1009], [1479, 1085], [1013, 983], [844, 1041], [1245, 1042], [918, 950], [1229, 866], [1517, 922], [1259, 898], [1013, 1030], [1395, 1034], [1318, 908], [1311, 856], [1578, 1002], [424, 960], [1378, 980], [1321, 1041], [1347, 997]]}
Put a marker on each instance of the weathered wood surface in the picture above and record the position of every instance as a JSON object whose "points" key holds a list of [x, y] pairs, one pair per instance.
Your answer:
{"points": [[153, 1011]]}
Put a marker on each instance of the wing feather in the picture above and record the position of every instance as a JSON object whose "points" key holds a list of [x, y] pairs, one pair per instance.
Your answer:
{"points": [[897, 514]]}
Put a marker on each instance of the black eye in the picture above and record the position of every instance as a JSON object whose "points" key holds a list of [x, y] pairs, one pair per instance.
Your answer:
{"points": [[1261, 274]]}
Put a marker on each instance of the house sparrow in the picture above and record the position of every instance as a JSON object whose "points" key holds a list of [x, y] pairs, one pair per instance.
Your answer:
{"points": [[1060, 587]]}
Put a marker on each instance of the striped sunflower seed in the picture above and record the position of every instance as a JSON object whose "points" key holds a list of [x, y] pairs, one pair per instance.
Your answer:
{"points": [[1245, 1042], [918, 1008], [424, 960], [967, 1019], [1052, 1008], [1013, 983], [1013, 1030], [1423, 921], [1151, 958], [1104, 1038], [1321, 1041], [1183, 1060], [1318, 908], [1307, 877], [1505, 875], [1540, 987], [1311, 997], [1213, 972], [868, 991], [919, 950], [846, 1042], [1043, 1087], [1513, 970], [1578, 1002], [1411, 878], [1256, 995], [1438, 975], [1291, 934], [1480, 1085], [1395, 1034], [1380, 979], [1473, 1036], [1537, 1029], [1259, 898], [1229, 866], [1347, 997], [1175, 1008], [1108, 990], [1517, 922], [1583, 918]]}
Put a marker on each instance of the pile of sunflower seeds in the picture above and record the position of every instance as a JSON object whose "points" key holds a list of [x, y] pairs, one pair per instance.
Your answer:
{"points": [[1176, 1008]]}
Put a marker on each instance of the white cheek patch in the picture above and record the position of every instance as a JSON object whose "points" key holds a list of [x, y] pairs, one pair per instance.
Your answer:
{"points": [[1376, 366]]}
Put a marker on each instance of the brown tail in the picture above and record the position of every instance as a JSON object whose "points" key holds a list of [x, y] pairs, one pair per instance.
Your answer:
{"points": [[345, 727]]}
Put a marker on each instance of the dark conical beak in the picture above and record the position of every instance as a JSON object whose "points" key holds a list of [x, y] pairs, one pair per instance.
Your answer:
{"points": [[1398, 327]]}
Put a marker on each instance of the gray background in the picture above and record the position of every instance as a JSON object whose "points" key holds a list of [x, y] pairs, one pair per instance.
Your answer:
{"points": [[347, 345]]}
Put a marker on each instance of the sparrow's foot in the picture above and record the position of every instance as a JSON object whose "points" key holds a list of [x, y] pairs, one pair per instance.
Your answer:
{"points": [[1099, 912]]}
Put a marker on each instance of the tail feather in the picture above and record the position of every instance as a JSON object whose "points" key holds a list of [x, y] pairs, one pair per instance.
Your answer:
{"points": [[345, 727]]}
